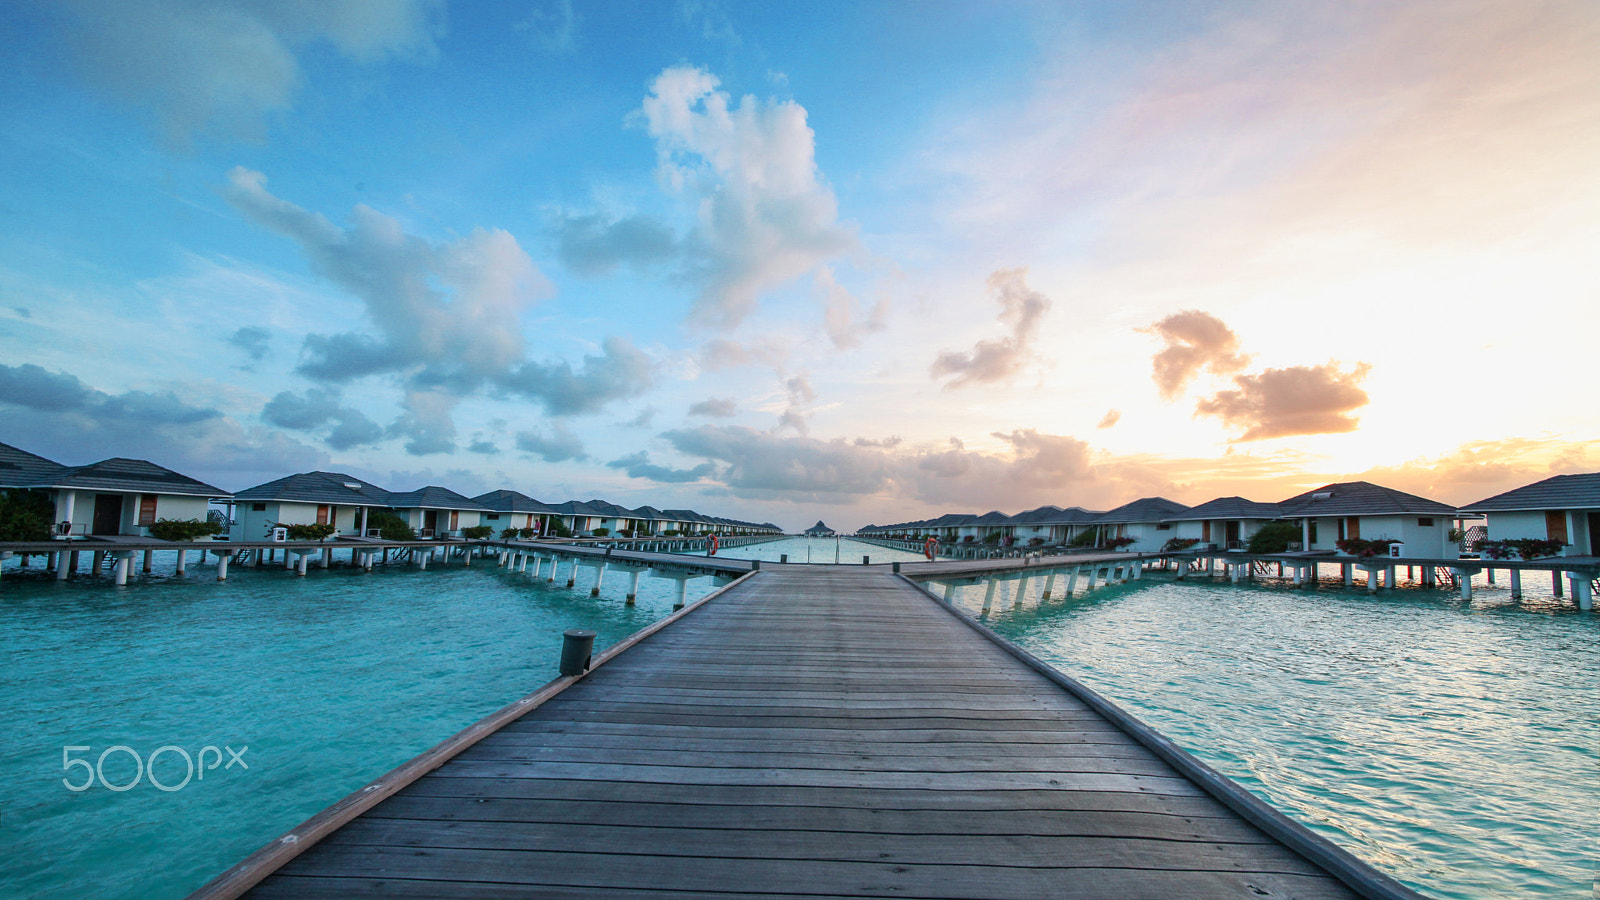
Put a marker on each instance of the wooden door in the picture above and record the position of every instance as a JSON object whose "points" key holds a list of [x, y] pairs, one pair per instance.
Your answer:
{"points": [[1555, 525], [107, 514]]}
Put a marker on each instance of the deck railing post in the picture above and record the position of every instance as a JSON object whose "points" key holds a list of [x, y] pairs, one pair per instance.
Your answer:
{"points": [[577, 648]]}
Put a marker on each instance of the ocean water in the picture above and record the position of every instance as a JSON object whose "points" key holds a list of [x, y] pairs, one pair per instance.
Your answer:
{"points": [[328, 680], [1453, 745]]}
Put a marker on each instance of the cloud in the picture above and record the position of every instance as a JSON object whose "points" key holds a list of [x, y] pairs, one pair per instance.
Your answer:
{"points": [[595, 245], [553, 27], [318, 407], [487, 448], [843, 319], [426, 423], [559, 445], [716, 407], [227, 66], [1111, 418], [1195, 341], [253, 340], [621, 371], [721, 353], [64, 419], [643, 419], [998, 359], [22, 312], [447, 315], [1481, 469], [1291, 401], [711, 19], [765, 463], [763, 214], [638, 465]]}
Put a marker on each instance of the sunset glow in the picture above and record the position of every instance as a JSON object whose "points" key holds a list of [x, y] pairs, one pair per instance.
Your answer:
{"points": [[841, 261]]}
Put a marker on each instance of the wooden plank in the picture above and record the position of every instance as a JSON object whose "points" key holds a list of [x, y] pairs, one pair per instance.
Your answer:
{"points": [[815, 732]]}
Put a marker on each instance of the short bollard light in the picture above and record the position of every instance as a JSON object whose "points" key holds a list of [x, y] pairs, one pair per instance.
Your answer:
{"points": [[866, 560], [897, 568], [576, 648], [783, 558]]}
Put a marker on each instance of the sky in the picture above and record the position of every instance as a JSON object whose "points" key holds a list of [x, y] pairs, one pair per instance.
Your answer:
{"points": [[863, 262]]}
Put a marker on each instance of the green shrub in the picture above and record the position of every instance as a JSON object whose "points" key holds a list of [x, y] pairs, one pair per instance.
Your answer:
{"points": [[1177, 544], [390, 526], [477, 532], [25, 516], [1274, 537], [559, 529], [1085, 538], [526, 533], [507, 534], [308, 532], [182, 529], [600, 532], [1117, 543]]}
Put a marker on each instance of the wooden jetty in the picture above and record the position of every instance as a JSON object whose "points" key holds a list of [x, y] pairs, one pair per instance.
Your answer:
{"points": [[806, 731]]}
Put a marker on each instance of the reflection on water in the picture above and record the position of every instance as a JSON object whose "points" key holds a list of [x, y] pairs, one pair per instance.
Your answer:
{"points": [[1451, 744]]}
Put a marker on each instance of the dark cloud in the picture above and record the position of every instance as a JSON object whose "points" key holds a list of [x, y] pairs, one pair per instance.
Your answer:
{"points": [[22, 312], [447, 316], [1195, 341], [317, 408], [557, 446], [886, 443], [227, 66], [638, 465], [593, 245], [715, 407], [621, 371], [1291, 401], [487, 448], [643, 419], [998, 359], [56, 415], [761, 462], [1111, 418], [426, 423], [253, 340]]}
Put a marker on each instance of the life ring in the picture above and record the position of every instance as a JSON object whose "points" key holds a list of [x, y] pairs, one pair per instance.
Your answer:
{"points": [[930, 548], [712, 545]]}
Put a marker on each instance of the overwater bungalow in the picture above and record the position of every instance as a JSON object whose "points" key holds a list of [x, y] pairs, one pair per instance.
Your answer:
{"points": [[1226, 523], [1563, 508], [1144, 520], [514, 509], [818, 530], [437, 512], [307, 498], [1360, 509], [116, 496]]}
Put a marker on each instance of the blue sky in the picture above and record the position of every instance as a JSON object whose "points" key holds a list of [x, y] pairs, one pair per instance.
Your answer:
{"points": [[853, 261]]}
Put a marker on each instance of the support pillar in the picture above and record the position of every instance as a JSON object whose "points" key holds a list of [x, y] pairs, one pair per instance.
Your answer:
{"points": [[1094, 575], [1138, 569], [1516, 584], [222, 566], [1555, 583], [100, 562], [988, 594], [1464, 578], [466, 555], [65, 560], [633, 588], [1072, 580], [1349, 573], [572, 573], [124, 563], [325, 558], [1581, 591], [1049, 585], [149, 558], [599, 578], [300, 564]]}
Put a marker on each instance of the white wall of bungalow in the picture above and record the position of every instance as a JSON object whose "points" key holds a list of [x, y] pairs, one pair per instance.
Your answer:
{"points": [[1359, 509], [1563, 508], [253, 520]]}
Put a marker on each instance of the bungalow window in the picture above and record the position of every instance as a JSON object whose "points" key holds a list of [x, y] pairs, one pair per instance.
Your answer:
{"points": [[258, 507], [147, 509], [1555, 525], [1425, 523], [493, 517], [322, 514]]}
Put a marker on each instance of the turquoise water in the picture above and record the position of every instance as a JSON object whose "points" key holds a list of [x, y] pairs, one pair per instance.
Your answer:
{"points": [[1450, 744], [328, 680]]}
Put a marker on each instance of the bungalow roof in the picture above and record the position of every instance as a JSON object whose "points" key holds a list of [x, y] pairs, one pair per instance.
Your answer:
{"points": [[951, 520], [1558, 492], [1360, 498], [317, 487], [992, 517], [20, 469], [1146, 509], [512, 502], [1228, 508], [132, 476], [435, 497]]}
